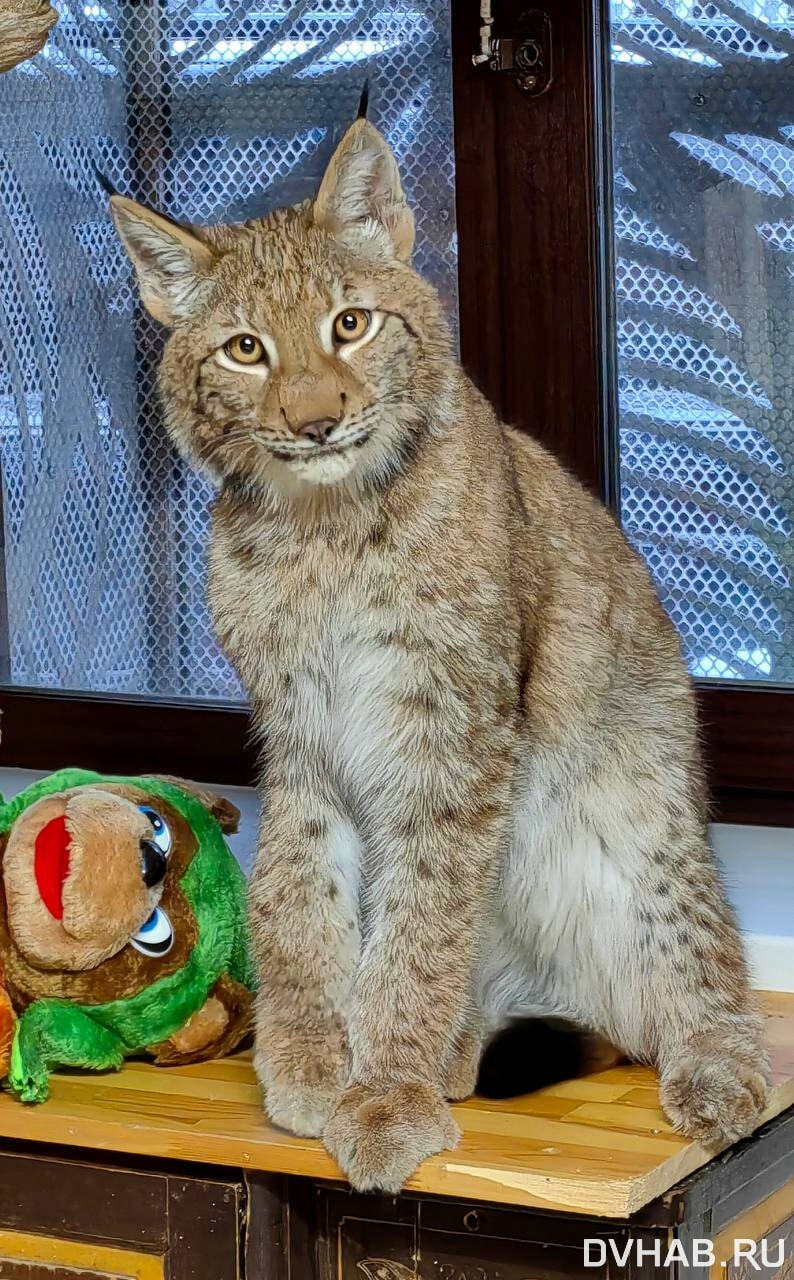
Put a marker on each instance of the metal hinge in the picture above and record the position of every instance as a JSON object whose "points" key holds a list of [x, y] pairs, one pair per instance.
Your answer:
{"points": [[526, 52]]}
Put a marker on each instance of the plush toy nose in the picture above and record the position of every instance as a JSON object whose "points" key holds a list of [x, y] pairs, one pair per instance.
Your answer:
{"points": [[153, 864]]}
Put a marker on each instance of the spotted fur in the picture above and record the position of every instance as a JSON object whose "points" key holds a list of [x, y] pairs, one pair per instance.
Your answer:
{"points": [[482, 787]]}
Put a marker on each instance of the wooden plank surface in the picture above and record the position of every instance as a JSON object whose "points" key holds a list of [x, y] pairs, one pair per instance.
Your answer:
{"points": [[597, 1145]]}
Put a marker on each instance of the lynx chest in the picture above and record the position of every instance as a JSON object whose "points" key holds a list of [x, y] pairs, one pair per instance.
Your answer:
{"points": [[326, 637]]}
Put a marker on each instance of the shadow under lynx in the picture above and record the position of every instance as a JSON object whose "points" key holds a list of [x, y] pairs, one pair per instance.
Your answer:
{"points": [[482, 789]]}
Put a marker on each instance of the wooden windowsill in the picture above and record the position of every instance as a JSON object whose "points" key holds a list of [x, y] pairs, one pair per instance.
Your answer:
{"points": [[597, 1145]]}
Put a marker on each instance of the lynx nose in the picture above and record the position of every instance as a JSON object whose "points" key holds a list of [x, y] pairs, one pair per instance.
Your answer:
{"points": [[317, 429]]}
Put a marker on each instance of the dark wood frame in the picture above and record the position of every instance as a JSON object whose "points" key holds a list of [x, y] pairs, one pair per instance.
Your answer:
{"points": [[533, 188], [43, 729]]}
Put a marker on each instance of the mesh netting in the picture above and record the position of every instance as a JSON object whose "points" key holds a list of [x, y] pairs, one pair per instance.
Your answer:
{"points": [[225, 109], [209, 110], [704, 243]]}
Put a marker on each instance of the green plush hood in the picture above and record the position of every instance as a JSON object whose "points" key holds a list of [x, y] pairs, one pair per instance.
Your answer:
{"points": [[213, 884]]}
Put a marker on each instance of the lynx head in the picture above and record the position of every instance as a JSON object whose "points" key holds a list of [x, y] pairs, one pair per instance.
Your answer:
{"points": [[304, 349]]}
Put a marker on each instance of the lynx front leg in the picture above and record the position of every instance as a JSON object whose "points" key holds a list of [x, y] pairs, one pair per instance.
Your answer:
{"points": [[440, 854], [304, 919], [463, 1065]]}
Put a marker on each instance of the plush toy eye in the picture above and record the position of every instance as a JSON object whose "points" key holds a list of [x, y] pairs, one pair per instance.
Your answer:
{"points": [[244, 348], [156, 936], [161, 834], [352, 324]]}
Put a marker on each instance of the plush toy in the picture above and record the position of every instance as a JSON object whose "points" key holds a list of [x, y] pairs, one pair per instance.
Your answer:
{"points": [[7, 1025], [122, 926]]}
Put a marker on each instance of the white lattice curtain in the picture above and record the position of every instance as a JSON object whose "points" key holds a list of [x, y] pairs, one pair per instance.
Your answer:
{"points": [[704, 249], [212, 110], [223, 110]]}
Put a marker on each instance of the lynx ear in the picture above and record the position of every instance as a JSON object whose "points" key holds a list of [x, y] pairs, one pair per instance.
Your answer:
{"points": [[361, 185], [172, 264]]}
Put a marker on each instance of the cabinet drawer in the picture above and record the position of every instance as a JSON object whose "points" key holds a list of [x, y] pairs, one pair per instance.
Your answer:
{"points": [[63, 1219]]}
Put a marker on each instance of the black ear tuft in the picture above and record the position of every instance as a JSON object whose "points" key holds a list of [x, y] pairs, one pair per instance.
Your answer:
{"points": [[363, 102], [105, 183]]}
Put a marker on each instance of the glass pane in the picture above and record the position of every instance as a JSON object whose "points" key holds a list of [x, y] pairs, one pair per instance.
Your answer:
{"points": [[704, 262], [211, 110]]}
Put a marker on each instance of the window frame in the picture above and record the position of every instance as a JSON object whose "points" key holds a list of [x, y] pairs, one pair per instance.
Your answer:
{"points": [[747, 730], [533, 184]]}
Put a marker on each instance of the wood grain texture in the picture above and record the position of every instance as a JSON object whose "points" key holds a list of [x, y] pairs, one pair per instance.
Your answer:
{"points": [[72, 1256], [77, 1200], [771, 1220], [203, 1227], [598, 1145]]}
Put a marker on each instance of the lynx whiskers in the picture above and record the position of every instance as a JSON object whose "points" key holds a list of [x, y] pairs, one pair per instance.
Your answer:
{"points": [[482, 788]]}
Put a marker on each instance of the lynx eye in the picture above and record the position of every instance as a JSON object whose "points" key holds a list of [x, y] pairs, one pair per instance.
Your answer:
{"points": [[244, 348], [351, 324]]}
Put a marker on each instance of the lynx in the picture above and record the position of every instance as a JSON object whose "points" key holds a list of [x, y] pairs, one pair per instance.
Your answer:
{"points": [[482, 792]]}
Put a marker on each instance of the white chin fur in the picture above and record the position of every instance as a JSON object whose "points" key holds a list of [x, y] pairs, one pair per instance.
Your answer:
{"points": [[325, 470]]}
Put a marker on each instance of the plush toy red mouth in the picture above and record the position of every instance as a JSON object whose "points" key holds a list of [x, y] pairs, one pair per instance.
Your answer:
{"points": [[51, 864]]}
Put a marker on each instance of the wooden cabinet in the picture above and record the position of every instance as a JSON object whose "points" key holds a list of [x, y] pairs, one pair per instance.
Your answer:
{"points": [[71, 1216], [304, 1231], [175, 1174]]}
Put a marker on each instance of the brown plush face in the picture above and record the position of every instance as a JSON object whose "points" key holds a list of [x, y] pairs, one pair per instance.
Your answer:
{"points": [[83, 873]]}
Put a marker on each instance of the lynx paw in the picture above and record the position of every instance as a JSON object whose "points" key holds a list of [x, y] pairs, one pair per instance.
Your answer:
{"points": [[713, 1097], [379, 1138], [302, 1083], [302, 1109]]}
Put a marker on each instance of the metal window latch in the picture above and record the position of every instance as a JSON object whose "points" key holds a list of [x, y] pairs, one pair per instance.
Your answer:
{"points": [[526, 52]]}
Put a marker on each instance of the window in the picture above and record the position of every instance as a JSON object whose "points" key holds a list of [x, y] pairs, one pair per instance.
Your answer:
{"points": [[641, 329], [210, 111], [704, 278], [702, 143]]}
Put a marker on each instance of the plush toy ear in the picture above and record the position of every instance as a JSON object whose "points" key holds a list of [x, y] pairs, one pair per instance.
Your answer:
{"points": [[173, 265], [226, 814], [362, 185]]}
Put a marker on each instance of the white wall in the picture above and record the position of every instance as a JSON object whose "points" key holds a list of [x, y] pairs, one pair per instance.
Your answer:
{"points": [[758, 864]]}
